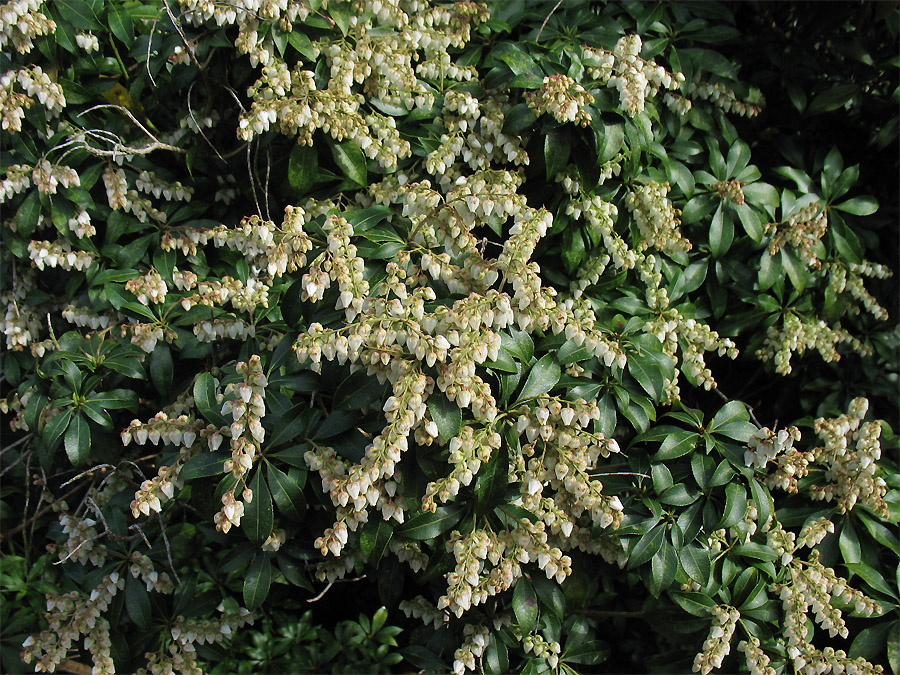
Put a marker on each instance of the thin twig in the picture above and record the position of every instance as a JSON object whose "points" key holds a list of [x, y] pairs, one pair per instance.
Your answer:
{"points": [[22, 526], [16, 444], [200, 128], [537, 37], [324, 591], [253, 181], [149, 44], [162, 527], [266, 186], [89, 471], [25, 454], [187, 44], [141, 532]]}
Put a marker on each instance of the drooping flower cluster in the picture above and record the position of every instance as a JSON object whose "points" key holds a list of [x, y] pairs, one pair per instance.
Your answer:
{"points": [[563, 98], [635, 78], [803, 231], [718, 643], [656, 218], [720, 95], [799, 333]]}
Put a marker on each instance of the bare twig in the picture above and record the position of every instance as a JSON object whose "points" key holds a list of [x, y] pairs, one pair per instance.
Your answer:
{"points": [[266, 186], [87, 472], [149, 44], [24, 455], [332, 583], [141, 532], [22, 526], [253, 181], [187, 44], [162, 527], [200, 128], [16, 444], [537, 37]]}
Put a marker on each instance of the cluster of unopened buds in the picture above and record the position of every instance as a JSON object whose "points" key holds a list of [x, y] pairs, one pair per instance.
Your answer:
{"points": [[656, 218], [720, 95], [850, 456], [69, 617], [730, 190], [46, 254], [718, 643], [757, 660], [543, 649], [563, 98], [799, 333], [22, 20], [803, 231], [87, 41], [473, 646], [80, 545]]}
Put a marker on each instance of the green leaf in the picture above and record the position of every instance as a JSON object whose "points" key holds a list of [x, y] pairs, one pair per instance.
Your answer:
{"points": [[677, 444], [735, 505], [756, 551], [515, 120], [258, 581], [493, 480], [204, 465], [519, 62], [542, 377], [647, 373], [873, 578], [695, 562], [27, 214], [137, 601], [287, 492], [424, 658], [550, 595], [796, 270], [301, 42], [303, 164], [519, 344], [428, 525], [340, 12], [162, 369], [206, 401], [848, 542], [588, 653], [293, 572], [34, 408], [763, 500], [496, 657], [351, 161], [54, 428], [858, 206], [663, 568], [870, 643], [358, 391], [259, 517], [446, 415], [695, 604], [374, 538], [646, 547], [721, 232], [120, 24], [80, 14], [557, 148], [730, 412], [610, 141], [525, 605], [78, 439]]}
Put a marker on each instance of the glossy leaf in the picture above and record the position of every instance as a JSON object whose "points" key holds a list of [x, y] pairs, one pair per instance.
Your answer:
{"points": [[258, 581], [259, 516], [525, 605], [542, 377], [428, 525]]}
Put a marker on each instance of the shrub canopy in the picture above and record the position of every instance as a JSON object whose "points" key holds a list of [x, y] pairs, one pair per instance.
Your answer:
{"points": [[530, 328]]}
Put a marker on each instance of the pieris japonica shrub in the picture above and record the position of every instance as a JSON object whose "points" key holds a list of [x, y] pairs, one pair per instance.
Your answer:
{"points": [[446, 307]]}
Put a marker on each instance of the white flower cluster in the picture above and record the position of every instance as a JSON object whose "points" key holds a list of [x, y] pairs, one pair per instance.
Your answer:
{"points": [[850, 456], [70, 616], [475, 641], [87, 41], [849, 279], [181, 656], [116, 187], [148, 288], [799, 333], [46, 254], [18, 178], [151, 184], [21, 323], [36, 83], [562, 98], [720, 95], [718, 643], [635, 79], [80, 545], [422, 608], [245, 402], [468, 451], [656, 218], [757, 660], [47, 177], [488, 563], [765, 445], [22, 20], [815, 588], [543, 649]]}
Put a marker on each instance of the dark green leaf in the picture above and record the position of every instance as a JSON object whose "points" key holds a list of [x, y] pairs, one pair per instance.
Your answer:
{"points": [[55, 426], [525, 605], [588, 653], [873, 578], [858, 206], [137, 601], [374, 538], [493, 480], [542, 378], [303, 164], [663, 568], [428, 525], [518, 118], [721, 232], [287, 492], [358, 391], [78, 439], [257, 581], [162, 369], [259, 516], [351, 161], [676, 444], [695, 562], [205, 464], [557, 148], [646, 547], [550, 595], [206, 401], [120, 24], [695, 604], [446, 415], [735, 505], [496, 656]]}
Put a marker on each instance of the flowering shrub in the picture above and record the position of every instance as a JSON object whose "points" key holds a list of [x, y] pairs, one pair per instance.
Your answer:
{"points": [[436, 301]]}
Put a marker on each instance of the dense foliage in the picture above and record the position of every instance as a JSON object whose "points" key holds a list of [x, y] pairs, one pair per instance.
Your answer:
{"points": [[379, 335]]}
